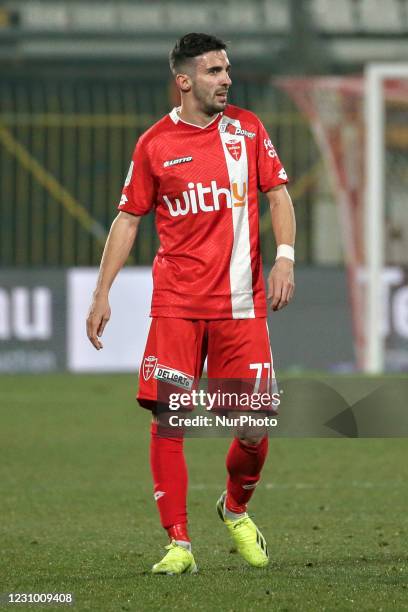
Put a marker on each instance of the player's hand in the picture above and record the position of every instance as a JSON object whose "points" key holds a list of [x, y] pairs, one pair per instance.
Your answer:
{"points": [[98, 316], [281, 284]]}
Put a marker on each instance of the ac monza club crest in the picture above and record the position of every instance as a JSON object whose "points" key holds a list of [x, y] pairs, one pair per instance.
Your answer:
{"points": [[149, 365], [234, 148]]}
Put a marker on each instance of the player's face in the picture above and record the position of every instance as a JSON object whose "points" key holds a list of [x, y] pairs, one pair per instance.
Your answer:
{"points": [[211, 81]]}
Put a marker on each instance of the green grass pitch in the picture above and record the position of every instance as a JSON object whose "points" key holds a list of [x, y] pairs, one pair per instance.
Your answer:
{"points": [[78, 515]]}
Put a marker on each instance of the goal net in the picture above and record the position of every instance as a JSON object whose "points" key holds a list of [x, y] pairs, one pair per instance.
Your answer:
{"points": [[361, 127]]}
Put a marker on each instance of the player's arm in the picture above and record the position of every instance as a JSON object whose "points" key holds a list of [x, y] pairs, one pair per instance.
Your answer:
{"points": [[117, 248], [281, 283]]}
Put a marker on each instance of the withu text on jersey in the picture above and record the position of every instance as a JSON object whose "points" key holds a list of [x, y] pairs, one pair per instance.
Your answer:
{"points": [[194, 198]]}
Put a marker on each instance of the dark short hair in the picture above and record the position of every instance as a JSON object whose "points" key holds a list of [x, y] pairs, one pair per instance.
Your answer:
{"points": [[192, 45]]}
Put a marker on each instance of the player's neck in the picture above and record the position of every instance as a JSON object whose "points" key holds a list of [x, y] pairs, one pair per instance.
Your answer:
{"points": [[195, 116]]}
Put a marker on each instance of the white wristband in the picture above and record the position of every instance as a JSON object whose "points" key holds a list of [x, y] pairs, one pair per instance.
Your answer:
{"points": [[285, 250]]}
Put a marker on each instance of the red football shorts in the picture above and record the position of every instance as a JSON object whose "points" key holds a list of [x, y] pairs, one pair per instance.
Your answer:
{"points": [[176, 349]]}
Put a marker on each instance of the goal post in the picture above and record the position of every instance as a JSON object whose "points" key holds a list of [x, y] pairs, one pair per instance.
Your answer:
{"points": [[360, 124], [375, 194]]}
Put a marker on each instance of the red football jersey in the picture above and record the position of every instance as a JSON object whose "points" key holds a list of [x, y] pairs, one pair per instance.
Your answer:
{"points": [[202, 183]]}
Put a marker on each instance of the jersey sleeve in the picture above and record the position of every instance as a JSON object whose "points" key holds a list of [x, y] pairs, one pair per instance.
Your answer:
{"points": [[271, 173], [139, 191]]}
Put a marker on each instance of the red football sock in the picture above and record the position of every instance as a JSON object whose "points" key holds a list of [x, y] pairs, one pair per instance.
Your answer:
{"points": [[170, 481], [178, 532], [244, 464]]}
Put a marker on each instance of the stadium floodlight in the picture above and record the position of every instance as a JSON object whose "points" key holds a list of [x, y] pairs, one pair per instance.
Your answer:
{"points": [[375, 147]]}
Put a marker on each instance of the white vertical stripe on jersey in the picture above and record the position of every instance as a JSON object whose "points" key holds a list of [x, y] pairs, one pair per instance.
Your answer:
{"points": [[240, 263]]}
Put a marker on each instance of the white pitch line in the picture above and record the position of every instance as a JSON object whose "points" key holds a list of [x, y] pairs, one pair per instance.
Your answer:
{"points": [[354, 484], [307, 485]]}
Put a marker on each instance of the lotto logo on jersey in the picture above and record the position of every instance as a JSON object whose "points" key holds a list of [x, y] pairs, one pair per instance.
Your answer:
{"points": [[178, 160], [194, 200]]}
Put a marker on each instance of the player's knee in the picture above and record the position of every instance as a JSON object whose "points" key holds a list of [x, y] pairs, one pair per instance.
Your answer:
{"points": [[251, 439]]}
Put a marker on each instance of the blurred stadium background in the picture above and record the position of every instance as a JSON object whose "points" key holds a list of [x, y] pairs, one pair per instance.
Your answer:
{"points": [[81, 80]]}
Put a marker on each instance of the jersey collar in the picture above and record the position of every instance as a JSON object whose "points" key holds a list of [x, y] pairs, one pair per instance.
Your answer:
{"points": [[175, 117]]}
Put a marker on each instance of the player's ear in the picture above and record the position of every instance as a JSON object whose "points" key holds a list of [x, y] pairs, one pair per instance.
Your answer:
{"points": [[183, 82]]}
